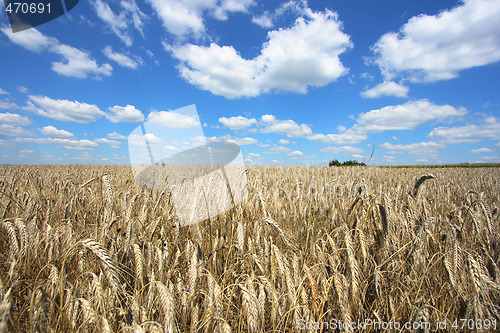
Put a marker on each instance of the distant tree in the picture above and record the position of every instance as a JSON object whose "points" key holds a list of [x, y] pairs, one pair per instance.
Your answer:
{"points": [[334, 163], [346, 163]]}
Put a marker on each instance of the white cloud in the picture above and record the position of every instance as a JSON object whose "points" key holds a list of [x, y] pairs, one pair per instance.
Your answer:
{"points": [[7, 105], [421, 149], [286, 127], [76, 63], [346, 138], [122, 59], [481, 150], [31, 39], [52, 132], [283, 141], [386, 88], [295, 153], [22, 89], [488, 130], [311, 46], [184, 18], [107, 141], [65, 143], [3, 92], [137, 140], [342, 150], [64, 110], [172, 119], [14, 119], [116, 136], [125, 114], [431, 48], [277, 149], [264, 20], [237, 123], [9, 130], [239, 141], [404, 116], [26, 151], [119, 23]]}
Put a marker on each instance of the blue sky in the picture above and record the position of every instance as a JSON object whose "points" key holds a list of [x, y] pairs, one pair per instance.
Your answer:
{"points": [[291, 82]]}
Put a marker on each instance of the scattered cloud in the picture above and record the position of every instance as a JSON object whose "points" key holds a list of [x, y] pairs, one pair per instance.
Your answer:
{"points": [[237, 123], [421, 149], [116, 136], [120, 23], [488, 130], [122, 59], [22, 89], [286, 127], [14, 119], [7, 105], [63, 109], [107, 141], [283, 141], [75, 62], [277, 150], [264, 20], [52, 132], [184, 18], [138, 140], [481, 150], [3, 92], [386, 88], [436, 47], [10, 130], [125, 114], [347, 138], [295, 153], [172, 119], [312, 46], [342, 150]]}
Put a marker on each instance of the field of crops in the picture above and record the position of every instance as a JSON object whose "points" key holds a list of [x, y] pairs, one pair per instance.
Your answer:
{"points": [[83, 249]]}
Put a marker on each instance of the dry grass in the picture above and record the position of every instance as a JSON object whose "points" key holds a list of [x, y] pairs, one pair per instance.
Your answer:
{"points": [[84, 249]]}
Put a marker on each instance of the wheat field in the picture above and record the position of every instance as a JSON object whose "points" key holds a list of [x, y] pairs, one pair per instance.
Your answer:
{"points": [[84, 249]]}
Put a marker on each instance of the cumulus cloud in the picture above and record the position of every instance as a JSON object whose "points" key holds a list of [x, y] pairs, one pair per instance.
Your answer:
{"points": [[386, 88], [10, 130], [125, 114], [311, 46], [287, 127], [421, 149], [342, 150], [7, 105], [3, 92], [438, 47], [488, 130], [116, 136], [346, 138], [239, 141], [14, 119], [52, 132], [283, 141], [184, 18], [75, 62], [481, 150], [107, 141], [295, 153], [63, 109], [404, 116], [172, 119], [65, 143], [278, 149], [237, 123], [138, 140]]}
